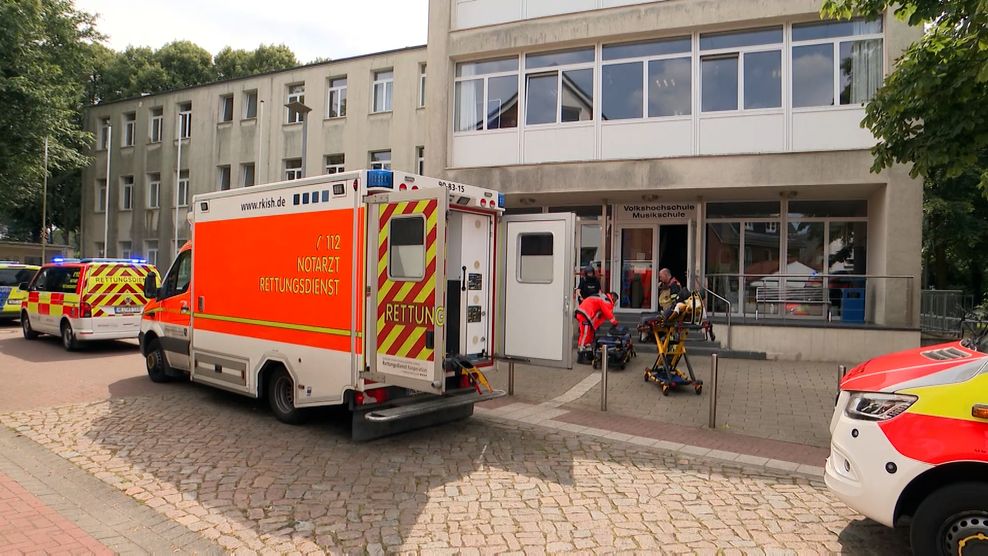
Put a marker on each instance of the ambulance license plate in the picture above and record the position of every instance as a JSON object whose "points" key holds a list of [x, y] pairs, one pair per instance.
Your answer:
{"points": [[128, 310]]}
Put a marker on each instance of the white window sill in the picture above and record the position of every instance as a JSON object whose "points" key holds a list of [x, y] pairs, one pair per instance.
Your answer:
{"points": [[291, 124], [837, 108], [654, 119], [334, 118], [251, 120], [476, 133], [226, 123], [741, 113], [382, 113]]}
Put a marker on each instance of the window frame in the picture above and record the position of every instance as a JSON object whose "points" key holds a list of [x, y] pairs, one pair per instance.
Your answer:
{"points": [[294, 172], [226, 108], [380, 164], [126, 193], [294, 92], [129, 138], [486, 77], [151, 246], [420, 160], [243, 174], [128, 252], [336, 167], [836, 42], [421, 95], [182, 191], [184, 120], [245, 104], [224, 171], [644, 61], [518, 263], [341, 97], [559, 70], [740, 52], [101, 185], [156, 124], [153, 200], [391, 236], [387, 85], [103, 141]]}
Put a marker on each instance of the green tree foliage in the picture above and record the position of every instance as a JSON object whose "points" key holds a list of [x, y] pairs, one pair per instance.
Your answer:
{"points": [[231, 63], [45, 71], [932, 114]]}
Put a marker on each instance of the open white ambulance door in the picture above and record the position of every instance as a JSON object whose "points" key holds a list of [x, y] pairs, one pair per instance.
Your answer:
{"points": [[538, 258], [406, 275]]}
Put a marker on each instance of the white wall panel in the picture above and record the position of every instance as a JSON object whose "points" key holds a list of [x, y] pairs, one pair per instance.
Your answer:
{"points": [[559, 144], [476, 13], [541, 8], [743, 133], [830, 130], [485, 149], [646, 139]]}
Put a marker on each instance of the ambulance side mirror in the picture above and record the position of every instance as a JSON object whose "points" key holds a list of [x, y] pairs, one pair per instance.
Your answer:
{"points": [[22, 286], [151, 286]]}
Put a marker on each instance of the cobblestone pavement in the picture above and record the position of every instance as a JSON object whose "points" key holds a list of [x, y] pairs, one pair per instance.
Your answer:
{"points": [[221, 466], [790, 401]]}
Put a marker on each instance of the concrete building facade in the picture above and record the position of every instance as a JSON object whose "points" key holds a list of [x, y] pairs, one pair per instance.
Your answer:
{"points": [[719, 138]]}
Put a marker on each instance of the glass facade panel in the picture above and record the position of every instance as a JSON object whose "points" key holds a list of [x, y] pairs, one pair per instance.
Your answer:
{"points": [[847, 252], [560, 58], [830, 29], [761, 259], [469, 105], [470, 69], [813, 75], [637, 254], [541, 98], [669, 90], [723, 258], [622, 91], [714, 41], [646, 49], [502, 102], [719, 83], [763, 80], [805, 248], [860, 70], [577, 100], [828, 208], [746, 209]]}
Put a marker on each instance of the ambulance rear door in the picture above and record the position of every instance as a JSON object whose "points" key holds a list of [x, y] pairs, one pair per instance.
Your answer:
{"points": [[406, 275], [538, 253]]}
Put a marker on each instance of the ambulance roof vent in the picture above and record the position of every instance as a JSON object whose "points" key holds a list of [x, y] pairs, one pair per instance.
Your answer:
{"points": [[380, 178], [945, 354]]}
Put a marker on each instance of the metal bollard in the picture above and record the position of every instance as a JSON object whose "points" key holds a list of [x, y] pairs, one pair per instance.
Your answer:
{"points": [[603, 378], [511, 378], [841, 371], [712, 422]]}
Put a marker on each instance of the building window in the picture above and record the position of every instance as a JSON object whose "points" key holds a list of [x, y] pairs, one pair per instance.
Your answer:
{"points": [[127, 193], [750, 58], [486, 95], [380, 160], [100, 249], [226, 108], [384, 83], [157, 124], [154, 191], [296, 93], [337, 98], [224, 178], [420, 160], [250, 104], [560, 89], [421, 85], [104, 134], [151, 251], [247, 174], [836, 60], [535, 258], [293, 168], [129, 129], [185, 120], [126, 249], [334, 163], [183, 189], [100, 195], [661, 68]]}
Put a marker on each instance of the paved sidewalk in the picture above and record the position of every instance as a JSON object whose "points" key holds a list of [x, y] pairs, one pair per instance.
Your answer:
{"points": [[48, 505], [787, 401]]}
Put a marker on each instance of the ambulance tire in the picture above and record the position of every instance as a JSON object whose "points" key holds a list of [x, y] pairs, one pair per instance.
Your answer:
{"points": [[281, 398], [156, 363], [68, 337], [29, 333], [948, 517]]}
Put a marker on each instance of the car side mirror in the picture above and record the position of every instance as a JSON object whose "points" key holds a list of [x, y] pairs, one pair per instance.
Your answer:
{"points": [[151, 286], [22, 286]]}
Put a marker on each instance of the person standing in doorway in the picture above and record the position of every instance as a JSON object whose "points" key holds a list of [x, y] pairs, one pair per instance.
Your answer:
{"points": [[589, 285]]}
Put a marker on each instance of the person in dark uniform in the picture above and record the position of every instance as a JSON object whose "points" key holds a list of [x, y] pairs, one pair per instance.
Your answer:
{"points": [[589, 284]]}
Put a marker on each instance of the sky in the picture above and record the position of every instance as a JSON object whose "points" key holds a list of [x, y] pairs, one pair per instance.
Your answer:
{"points": [[311, 28]]}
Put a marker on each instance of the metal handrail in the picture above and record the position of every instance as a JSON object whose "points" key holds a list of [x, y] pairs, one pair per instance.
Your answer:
{"points": [[730, 311]]}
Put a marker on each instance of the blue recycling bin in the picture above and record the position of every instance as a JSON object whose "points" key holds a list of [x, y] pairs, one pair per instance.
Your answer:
{"points": [[852, 303]]}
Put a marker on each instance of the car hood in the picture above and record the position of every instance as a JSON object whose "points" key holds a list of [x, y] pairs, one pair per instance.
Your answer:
{"points": [[948, 363]]}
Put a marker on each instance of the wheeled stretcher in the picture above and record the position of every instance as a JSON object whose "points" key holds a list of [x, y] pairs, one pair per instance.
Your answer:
{"points": [[670, 330]]}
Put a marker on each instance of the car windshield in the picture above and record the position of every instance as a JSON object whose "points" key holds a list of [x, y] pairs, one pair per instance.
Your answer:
{"points": [[14, 276]]}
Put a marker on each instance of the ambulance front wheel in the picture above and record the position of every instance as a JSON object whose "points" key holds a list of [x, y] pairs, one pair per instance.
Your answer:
{"points": [[156, 363], [952, 519], [281, 398], [29, 333]]}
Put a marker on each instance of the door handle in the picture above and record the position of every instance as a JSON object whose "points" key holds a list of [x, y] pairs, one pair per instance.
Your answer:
{"points": [[184, 308], [979, 411]]}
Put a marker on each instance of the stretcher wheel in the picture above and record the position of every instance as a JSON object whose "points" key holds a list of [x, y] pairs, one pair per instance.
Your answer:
{"points": [[646, 375], [665, 389], [698, 388]]}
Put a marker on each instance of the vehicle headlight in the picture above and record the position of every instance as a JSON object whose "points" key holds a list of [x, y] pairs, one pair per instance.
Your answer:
{"points": [[872, 406]]}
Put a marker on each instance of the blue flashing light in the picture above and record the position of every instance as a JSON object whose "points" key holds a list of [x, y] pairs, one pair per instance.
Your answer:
{"points": [[380, 178], [139, 261], [58, 260], [500, 200]]}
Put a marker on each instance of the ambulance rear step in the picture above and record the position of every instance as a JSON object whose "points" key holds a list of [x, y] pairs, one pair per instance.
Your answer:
{"points": [[431, 404]]}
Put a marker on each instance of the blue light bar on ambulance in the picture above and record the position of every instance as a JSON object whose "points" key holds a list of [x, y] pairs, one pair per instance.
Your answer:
{"points": [[500, 200], [380, 178]]}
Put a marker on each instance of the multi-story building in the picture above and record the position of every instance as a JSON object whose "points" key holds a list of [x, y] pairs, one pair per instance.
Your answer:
{"points": [[718, 138]]}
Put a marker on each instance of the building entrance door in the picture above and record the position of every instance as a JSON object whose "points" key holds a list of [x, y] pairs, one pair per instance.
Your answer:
{"points": [[637, 271], [674, 241]]}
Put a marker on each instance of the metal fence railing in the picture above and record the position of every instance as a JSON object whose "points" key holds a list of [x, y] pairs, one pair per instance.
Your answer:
{"points": [[941, 311]]}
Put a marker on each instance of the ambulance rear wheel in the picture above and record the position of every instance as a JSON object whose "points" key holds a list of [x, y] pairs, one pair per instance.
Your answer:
{"points": [[156, 363], [68, 337], [29, 333], [281, 398], [952, 519]]}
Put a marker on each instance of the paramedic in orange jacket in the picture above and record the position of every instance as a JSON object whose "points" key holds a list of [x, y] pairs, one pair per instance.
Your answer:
{"points": [[592, 313]]}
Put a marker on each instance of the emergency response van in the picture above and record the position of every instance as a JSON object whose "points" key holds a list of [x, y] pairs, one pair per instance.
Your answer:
{"points": [[86, 299], [910, 440], [374, 289], [12, 274]]}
